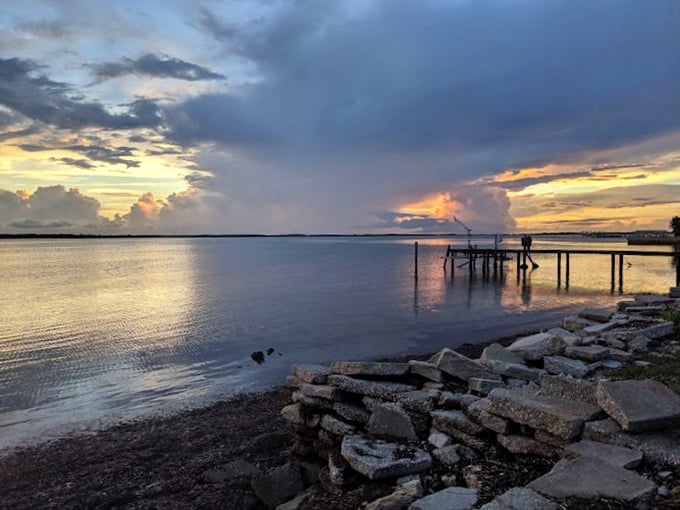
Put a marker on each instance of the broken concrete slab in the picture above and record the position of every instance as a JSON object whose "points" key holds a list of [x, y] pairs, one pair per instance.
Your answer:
{"points": [[562, 365], [521, 498], [496, 353], [620, 456], [389, 419], [484, 386], [382, 390], [479, 413], [619, 355], [561, 417], [311, 373], [598, 329], [526, 445], [535, 347], [586, 352], [589, 479], [575, 324], [596, 314], [323, 391], [352, 412], [422, 401], [403, 496], [447, 455], [639, 344], [369, 368], [426, 370], [320, 403], [639, 405], [653, 299], [449, 400], [456, 420], [336, 426], [569, 338], [568, 388], [658, 447], [659, 330], [461, 367], [439, 439], [378, 459], [452, 498]]}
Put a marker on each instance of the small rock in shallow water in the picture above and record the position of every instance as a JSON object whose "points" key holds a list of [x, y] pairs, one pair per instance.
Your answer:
{"points": [[270, 351], [257, 357], [663, 491]]}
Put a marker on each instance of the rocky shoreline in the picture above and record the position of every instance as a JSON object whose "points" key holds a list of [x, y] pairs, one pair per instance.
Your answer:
{"points": [[543, 421]]}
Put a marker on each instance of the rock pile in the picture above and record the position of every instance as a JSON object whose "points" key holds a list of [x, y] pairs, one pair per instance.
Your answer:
{"points": [[544, 395]]}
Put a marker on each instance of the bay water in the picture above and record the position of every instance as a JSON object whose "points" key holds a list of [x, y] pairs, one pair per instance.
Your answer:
{"points": [[93, 331]]}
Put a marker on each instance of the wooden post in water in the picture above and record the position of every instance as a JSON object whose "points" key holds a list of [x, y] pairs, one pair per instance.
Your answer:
{"points": [[559, 269], [677, 270], [566, 276], [415, 274], [620, 272], [613, 269], [446, 259]]}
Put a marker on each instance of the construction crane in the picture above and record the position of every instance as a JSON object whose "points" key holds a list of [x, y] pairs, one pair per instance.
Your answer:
{"points": [[469, 231]]}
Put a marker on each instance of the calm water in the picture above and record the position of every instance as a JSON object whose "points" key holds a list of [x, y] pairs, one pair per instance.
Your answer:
{"points": [[93, 331]]}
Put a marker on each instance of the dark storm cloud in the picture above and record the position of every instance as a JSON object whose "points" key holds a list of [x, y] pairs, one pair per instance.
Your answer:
{"points": [[503, 83], [390, 219], [35, 224], [520, 184], [81, 163], [25, 90], [94, 152], [159, 66]]}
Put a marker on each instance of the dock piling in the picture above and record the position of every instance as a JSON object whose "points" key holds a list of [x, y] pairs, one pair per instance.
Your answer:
{"points": [[559, 269], [415, 274]]}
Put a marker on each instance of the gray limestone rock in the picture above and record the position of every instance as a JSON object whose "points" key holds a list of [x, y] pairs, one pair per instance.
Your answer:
{"points": [[319, 403], [371, 368], [653, 299], [535, 347], [465, 438], [403, 496], [323, 391], [461, 367], [292, 382], [575, 324], [391, 420], [525, 445], [659, 330], [550, 439], [456, 420], [586, 352], [639, 405], [639, 344], [496, 353], [562, 365], [645, 310], [589, 479], [311, 373], [380, 459], [279, 484], [449, 400], [352, 412], [561, 417], [452, 498], [484, 386], [422, 401], [598, 329], [596, 314], [293, 414], [382, 390], [569, 338], [447, 455], [611, 454], [426, 370], [521, 498], [619, 355], [659, 447], [336, 426], [439, 439], [479, 413]]}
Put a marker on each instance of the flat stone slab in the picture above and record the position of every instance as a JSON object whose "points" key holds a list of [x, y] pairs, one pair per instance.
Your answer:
{"points": [[598, 329], [620, 456], [658, 447], [369, 368], [389, 419], [586, 352], [323, 391], [456, 420], [568, 337], [526, 445], [461, 367], [484, 386], [311, 373], [658, 330], [378, 459], [561, 417], [568, 388], [421, 401], [562, 365], [521, 498], [479, 413], [596, 314], [535, 347], [574, 323], [336, 426], [383, 390], [639, 405], [352, 412], [453, 498], [587, 478], [426, 370], [496, 353]]}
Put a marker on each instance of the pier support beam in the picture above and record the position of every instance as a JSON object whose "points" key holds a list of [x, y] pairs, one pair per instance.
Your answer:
{"points": [[559, 269], [620, 272], [566, 276], [415, 273], [613, 270]]}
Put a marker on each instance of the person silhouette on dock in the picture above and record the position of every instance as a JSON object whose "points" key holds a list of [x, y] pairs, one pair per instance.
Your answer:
{"points": [[526, 247]]}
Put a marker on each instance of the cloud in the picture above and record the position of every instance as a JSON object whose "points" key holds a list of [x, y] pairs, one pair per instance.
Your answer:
{"points": [[157, 66], [81, 163], [112, 155], [38, 225], [25, 90]]}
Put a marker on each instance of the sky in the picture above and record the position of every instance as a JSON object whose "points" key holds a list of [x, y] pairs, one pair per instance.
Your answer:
{"points": [[339, 116]]}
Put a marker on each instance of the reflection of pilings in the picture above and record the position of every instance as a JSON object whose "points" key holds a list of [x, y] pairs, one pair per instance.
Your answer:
{"points": [[415, 274], [559, 269], [566, 276], [613, 270], [620, 272]]}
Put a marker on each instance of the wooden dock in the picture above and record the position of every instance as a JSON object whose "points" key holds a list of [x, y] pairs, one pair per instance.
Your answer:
{"points": [[492, 260]]}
